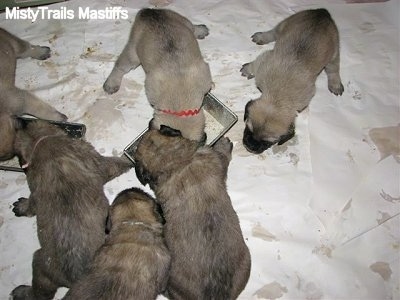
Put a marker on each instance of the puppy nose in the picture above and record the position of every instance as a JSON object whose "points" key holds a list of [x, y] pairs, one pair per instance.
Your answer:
{"points": [[254, 146]]}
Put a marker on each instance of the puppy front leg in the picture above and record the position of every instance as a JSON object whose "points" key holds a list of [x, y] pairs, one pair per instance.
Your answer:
{"points": [[127, 61], [250, 69], [224, 146], [24, 207], [114, 166]]}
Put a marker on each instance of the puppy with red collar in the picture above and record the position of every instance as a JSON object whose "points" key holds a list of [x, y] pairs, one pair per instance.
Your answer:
{"points": [[177, 77]]}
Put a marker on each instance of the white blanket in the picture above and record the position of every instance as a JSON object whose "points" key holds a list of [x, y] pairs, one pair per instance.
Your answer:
{"points": [[320, 214]]}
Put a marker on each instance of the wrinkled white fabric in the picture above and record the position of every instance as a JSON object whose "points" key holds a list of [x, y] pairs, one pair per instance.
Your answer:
{"points": [[320, 214]]}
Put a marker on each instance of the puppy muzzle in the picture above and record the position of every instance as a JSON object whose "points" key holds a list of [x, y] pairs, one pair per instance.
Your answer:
{"points": [[257, 147], [252, 145]]}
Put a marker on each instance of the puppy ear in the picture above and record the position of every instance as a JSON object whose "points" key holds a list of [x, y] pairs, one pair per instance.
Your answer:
{"points": [[284, 138], [168, 131]]}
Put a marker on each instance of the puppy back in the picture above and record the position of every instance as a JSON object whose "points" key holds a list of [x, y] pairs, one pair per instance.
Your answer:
{"points": [[307, 34]]}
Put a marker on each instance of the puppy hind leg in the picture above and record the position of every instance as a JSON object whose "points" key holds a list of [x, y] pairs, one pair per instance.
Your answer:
{"points": [[335, 85], [127, 61], [241, 276], [24, 49], [30, 104], [200, 31], [265, 37], [22, 292], [24, 207], [42, 288], [247, 70], [44, 278], [36, 52]]}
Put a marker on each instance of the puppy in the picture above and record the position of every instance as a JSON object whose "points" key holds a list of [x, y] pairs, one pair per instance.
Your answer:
{"points": [[15, 101], [66, 178], [177, 78], [134, 261], [306, 43], [209, 259]]}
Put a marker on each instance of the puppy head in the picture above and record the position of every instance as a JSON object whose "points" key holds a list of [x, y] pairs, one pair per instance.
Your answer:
{"points": [[266, 126], [135, 204], [29, 133], [160, 153]]}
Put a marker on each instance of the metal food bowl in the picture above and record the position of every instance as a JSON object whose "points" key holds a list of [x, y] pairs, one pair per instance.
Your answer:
{"points": [[219, 119]]}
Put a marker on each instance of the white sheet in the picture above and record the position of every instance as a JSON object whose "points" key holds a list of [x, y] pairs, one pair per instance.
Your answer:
{"points": [[320, 214]]}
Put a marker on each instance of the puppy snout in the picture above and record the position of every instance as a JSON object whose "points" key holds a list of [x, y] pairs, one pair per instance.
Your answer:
{"points": [[252, 145]]}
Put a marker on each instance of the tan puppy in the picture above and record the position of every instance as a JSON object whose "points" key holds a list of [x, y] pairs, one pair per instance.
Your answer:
{"points": [[306, 43], [177, 78], [134, 261], [209, 258], [66, 178], [15, 101]]}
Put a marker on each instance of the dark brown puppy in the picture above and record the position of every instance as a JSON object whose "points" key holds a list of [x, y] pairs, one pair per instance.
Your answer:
{"points": [[306, 43], [134, 261], [66, 178], [209, 259], [15, 101]]}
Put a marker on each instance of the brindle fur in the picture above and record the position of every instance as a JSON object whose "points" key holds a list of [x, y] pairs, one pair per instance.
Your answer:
{"points": [[306, 43], [15, 101], [177, 78], [66, 178], [209, 258], [134, 261]]}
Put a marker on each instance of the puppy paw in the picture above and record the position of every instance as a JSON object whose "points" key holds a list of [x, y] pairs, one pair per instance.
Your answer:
{"points": [[262, 38], [336, 89], [224, 145], [200, 31], [21, 207], [40, 52], [21, 292], [246, 71], [109, 87], [45, 53]]}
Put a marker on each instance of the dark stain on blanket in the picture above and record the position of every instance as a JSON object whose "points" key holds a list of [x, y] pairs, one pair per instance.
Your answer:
{"points": [[387, 140]]}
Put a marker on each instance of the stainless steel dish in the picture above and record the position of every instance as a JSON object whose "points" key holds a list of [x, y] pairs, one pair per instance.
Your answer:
{"points": [[219, 119]]}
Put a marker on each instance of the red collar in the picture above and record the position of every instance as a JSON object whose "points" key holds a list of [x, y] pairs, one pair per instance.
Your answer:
{"points": [[182, 113]]}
